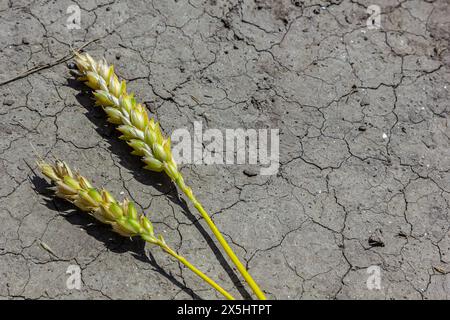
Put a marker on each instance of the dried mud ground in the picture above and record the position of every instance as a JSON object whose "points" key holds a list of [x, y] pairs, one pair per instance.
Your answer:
{"points": [[364, 174]]}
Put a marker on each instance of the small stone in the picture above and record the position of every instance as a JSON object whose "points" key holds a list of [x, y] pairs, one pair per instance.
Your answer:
{"points": [[364, 102], [376, 239], [402, 234], [8, 102], [118, 56], [25, 41], [440, 269], [250, 172], [71, 65], [362, 128]]}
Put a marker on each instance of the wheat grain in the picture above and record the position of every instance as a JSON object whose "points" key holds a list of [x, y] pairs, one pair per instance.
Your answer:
{"points": [[122, 216], [144, 136]]}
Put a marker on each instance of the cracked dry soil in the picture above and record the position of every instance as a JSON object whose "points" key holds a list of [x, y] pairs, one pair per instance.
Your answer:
{"points": [[364, 176]]}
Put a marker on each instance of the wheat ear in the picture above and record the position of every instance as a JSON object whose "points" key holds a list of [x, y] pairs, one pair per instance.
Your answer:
{"points": [[122, 216], [145, 137]]}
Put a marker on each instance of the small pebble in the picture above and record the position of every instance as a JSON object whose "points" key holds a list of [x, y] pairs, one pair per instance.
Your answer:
{"points": [[118, 56], [250, 173], [376, 239], [8, 102], [364, 102]]}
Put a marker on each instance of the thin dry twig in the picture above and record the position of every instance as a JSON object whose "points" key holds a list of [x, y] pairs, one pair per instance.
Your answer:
{"points": [[47, 65]]}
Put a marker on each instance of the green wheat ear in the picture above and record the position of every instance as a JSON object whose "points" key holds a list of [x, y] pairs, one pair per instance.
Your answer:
{"points": [[145, 137], [122, 216]]}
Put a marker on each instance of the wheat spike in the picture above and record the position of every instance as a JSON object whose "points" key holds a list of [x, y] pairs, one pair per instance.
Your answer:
{"points": [[141, 133], [122, 216], [144, 136]]}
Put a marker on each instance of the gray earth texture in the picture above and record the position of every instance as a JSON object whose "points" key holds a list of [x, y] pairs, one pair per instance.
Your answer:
{"points": [[359, 208]]}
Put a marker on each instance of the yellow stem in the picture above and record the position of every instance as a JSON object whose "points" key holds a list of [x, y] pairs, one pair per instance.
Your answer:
{"points": [[211, 282], [248, 278]]}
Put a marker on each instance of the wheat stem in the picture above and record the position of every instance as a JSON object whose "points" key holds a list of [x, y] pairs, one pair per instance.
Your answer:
{"points": [[145, 137], [122, 216], [223, 242], [198, 272]]}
